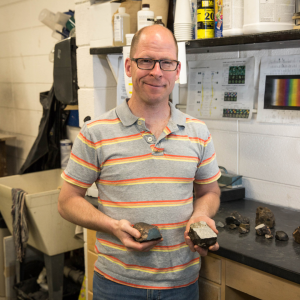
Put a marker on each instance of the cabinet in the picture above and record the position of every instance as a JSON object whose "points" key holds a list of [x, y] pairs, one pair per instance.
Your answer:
{"points": [[224, 279]]}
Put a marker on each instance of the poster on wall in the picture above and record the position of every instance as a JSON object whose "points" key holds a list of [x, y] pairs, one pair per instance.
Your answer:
{"points": [[221, 89], [279, 90]]}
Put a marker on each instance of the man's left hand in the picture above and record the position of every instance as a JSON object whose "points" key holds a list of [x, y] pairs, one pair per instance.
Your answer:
{"points": [[211, 224]]}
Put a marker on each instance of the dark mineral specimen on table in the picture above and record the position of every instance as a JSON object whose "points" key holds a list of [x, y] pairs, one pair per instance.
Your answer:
{"points": [[281, 236], [246, 226], [263, 229], [148, 232], [202, 235], [264, 216], [243, 230], [232, 226], [237, 219], [296, 235], [220, 224]]}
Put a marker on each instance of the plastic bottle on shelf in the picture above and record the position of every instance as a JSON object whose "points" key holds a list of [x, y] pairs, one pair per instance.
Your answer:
{"points": [[121, 27], [159, 21], [265, 16], [233, 17], [145, 16]]}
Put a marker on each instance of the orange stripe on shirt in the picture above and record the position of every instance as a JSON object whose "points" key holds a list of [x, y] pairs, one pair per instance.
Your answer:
{"points": [[145, 180], [189, 120], [84, 163], [139, 204], [104, 121], [209, 180], [146, 269], [156, 248], [142, 286], [171, 225], [74, 181], [207, 161]]}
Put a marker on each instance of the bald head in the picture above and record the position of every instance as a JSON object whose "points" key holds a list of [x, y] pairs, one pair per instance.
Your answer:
{"points": [[146, 31]]}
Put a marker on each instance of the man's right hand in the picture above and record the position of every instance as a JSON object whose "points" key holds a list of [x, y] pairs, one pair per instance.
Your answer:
{"points": [[124, 231]]}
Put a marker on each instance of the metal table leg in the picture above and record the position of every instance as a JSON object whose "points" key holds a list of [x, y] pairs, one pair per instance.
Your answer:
{"points": [[55, 275]]}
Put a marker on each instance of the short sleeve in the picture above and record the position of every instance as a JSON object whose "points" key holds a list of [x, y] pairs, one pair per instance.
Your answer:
{"points": [[83, 168], [208, 170]]}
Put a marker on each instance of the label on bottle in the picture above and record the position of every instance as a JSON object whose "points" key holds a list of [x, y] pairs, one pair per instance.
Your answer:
{"points": [[205, 19], [144, 21], [118, 22], [276, 11]]}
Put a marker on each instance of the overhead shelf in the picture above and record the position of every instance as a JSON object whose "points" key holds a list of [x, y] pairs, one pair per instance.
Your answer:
{"points": [[268, 40]]}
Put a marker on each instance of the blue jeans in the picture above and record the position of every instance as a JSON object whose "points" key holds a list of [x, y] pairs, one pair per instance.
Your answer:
{"points": [[104, 289]]}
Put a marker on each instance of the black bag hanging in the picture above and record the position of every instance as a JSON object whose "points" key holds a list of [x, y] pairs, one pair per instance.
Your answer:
{"points": [[45, 152]]}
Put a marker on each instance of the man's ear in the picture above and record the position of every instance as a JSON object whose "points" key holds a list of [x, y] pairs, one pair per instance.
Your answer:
{"points": [[128, 67], [178, 71]]}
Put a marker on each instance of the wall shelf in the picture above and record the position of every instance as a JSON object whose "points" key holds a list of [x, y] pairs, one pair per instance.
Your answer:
{"points": [[268, 40]]}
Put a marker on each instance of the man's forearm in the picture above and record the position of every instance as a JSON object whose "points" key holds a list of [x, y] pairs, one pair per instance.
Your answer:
{"points": [[207, 205], [77, 210]]}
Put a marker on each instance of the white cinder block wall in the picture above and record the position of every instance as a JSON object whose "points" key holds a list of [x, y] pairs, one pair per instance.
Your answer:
{"points": [[25, 71]]}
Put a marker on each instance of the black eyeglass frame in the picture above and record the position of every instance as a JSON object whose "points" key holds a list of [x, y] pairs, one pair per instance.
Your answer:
{"points": [[155, 61]]}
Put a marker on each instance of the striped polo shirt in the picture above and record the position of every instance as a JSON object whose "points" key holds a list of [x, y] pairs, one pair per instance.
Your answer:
{"points": [[144, 179]]}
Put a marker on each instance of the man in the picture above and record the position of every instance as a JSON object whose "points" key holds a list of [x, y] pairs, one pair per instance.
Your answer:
{"points": [[145, 157]]}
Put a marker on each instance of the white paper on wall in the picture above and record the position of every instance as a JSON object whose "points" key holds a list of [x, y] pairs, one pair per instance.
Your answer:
{"points": [[221, 89], [280, 66]]}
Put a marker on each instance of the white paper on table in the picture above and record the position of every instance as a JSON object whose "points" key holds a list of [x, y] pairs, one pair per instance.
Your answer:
{"points": [[277, 65], [208, 83]]}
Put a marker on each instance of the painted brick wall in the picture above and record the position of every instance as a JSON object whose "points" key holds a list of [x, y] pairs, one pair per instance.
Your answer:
{"points": [[25, 71]]}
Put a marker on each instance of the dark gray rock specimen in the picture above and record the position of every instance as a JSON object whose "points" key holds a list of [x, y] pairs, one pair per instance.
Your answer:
{"points": [[281, 236], [148, 232], [264, 216], [232, 226], [237, 219], [296, 235], [246, 226], [202, 235], [263, 229]]}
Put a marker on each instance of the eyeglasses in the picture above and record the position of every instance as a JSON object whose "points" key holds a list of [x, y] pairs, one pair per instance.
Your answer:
{"points": [[149, 64]]}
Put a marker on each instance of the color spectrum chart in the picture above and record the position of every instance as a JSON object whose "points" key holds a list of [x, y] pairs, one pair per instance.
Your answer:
{"points": [[282, 92]]}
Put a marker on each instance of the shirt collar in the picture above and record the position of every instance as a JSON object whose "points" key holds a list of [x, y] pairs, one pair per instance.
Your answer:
{"points": [[128, 118]]}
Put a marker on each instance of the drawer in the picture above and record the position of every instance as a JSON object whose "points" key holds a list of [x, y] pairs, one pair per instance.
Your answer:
{"points": [[211, 269], [209, 290], [260, 284], [91, 239], [92, 257]]}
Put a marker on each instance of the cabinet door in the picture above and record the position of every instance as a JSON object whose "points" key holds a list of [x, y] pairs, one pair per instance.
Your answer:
{"points": [[211, 269], [209, 290]]}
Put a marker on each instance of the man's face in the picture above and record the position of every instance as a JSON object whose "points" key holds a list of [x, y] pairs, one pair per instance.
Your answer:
{"points": [[153, 86]]}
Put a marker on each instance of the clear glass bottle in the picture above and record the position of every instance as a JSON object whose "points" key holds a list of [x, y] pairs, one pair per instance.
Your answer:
{"points": [[121, 27]]}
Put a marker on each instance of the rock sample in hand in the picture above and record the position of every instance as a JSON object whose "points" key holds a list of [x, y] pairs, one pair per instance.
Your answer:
{"points": [[263, 229], [237, 219], [148, 232], [296, 235], [264, 216], [281, 236], [202, 235]]}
